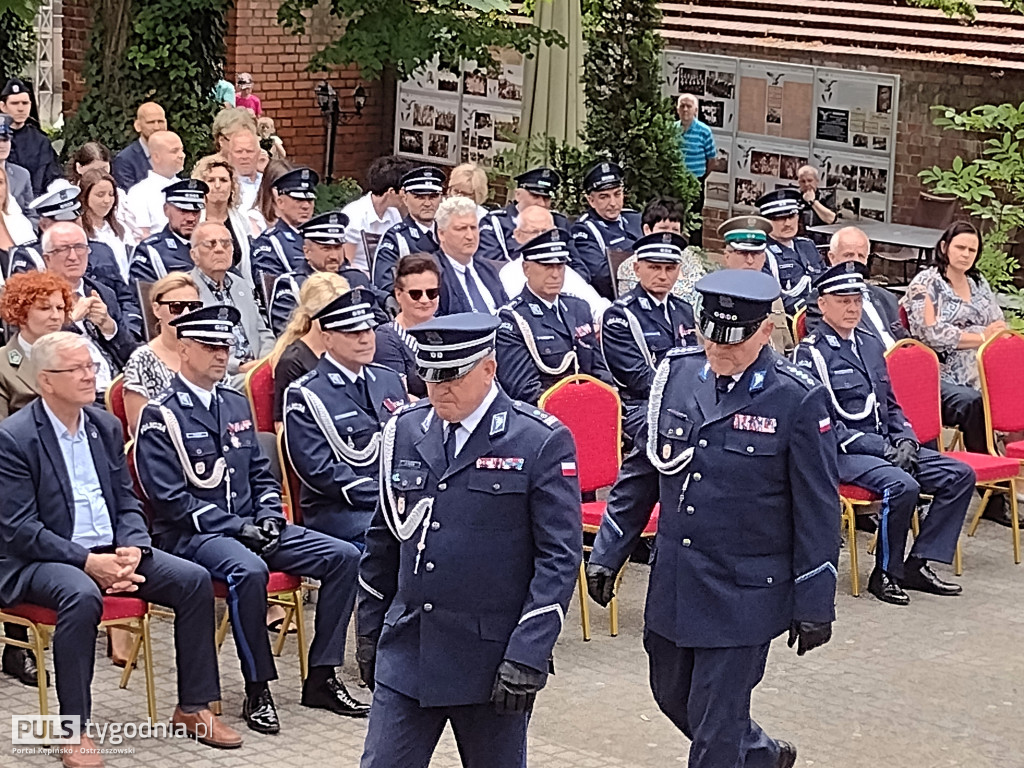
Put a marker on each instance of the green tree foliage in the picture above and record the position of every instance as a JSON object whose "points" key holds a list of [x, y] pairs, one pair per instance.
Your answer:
{"points": [[17, 41], [168, 51], [404, 35], [628, 118], [990, 187]]}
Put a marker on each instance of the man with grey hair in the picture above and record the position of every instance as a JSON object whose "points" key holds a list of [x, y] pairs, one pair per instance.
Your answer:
{"points": [[72, 531], [819, 202], [468, 284], [881, 315], [212, 252], [96, 314], [697, 146]]}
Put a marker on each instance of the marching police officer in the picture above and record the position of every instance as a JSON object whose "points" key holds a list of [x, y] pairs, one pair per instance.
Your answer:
{"points": [[323, 238], [169, 250], [793, 261], [545, 336], [746, 238], [734, 564], [604, 226], [878, 450], [333, 416], [215, 502], [639, 328], [470, 561], [279, 248], [65, 204], [535, 187], [416, 233]]}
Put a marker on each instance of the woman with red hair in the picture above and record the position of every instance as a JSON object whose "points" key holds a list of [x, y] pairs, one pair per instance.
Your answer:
{"points": [[37, 303]]}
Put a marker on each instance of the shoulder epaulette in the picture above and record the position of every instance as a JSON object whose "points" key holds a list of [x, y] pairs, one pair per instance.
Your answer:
{"points": [[533, 411], [693, 349], [229, 392], [626, 300], [162, 397], [303, 379], [786, 367], [810, 338]]}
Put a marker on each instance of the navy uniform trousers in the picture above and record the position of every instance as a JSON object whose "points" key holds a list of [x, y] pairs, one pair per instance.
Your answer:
{"points": [[78, 601], [949, 481], [333, 562]]}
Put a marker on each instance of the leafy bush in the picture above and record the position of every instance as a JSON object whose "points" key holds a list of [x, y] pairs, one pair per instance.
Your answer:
{"points": [[330, 197], [17, 43]]}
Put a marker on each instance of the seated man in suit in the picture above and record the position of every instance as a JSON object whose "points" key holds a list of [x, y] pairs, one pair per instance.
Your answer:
{"points": [[881, 314], [468, 284], [72, 531], [545, 335], [333, 417], [97, 315], [211, 252], [217, 503], [168, 250], [132, 164]]}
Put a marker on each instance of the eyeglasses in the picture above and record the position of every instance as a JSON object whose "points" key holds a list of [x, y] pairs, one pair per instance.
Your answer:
{"points": [[79, 249], [225, 243], [177, 307], [416, 294], [81, 370]]}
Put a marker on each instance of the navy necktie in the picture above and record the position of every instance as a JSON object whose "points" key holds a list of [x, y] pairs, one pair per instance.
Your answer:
{"points": [[476, 299], [722, 384], [450, 442], [362, 393]]}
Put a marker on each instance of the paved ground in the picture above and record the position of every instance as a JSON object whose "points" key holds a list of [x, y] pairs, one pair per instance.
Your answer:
{"points": [[937, 684]]}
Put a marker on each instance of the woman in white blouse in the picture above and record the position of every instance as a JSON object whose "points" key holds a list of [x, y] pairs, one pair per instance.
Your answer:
{"points": [[99, 216], [15, 229]]}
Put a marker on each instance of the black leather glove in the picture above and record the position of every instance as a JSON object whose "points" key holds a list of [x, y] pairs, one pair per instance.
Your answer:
{"points": [[366, 658], [903, 455], [600, 583], [811, 635], [271, 529], [515, 688], [252, 537]]}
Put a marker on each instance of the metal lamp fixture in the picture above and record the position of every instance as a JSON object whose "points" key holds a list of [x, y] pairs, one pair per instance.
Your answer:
{"points": [[328, 103]]}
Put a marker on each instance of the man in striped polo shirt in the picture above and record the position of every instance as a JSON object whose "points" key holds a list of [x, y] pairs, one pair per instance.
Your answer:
{"points": [[698, 147]]}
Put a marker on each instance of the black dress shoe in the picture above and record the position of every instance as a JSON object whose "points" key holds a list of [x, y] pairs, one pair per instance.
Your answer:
{"points": [[998, 511], [332, 695], [20, 663], [924, 579], [260, 714], [886, 588], [787, 755]]}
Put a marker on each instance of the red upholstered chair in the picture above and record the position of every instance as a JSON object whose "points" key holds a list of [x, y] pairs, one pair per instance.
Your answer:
{"points": [[114, 401], [128, 613], [259, 389], [904, 318], [800, 325], [593, 413], [914, 375], [852, 497]]}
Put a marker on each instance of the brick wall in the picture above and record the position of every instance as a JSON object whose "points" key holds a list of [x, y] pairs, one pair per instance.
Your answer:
{"points": [[278, 61], [75, 39]]}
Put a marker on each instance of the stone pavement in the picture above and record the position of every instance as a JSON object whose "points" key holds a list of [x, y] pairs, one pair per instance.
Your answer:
{"points": [[934, 685]]}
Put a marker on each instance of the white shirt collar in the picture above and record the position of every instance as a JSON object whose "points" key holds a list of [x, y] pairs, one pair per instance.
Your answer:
{"points": [[655, 301], [145, 147], [80, 288], [470, 423], [165, 179], [425, 229], [548, 304], [58, 426], [458, 265], [205, 395], [25, 346], [349, 373]]}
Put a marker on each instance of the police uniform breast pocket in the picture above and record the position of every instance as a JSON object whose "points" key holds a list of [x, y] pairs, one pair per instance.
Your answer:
{"points": [[408, 480], [202, 451], [497, 487], [759, 439], [764, 571]]}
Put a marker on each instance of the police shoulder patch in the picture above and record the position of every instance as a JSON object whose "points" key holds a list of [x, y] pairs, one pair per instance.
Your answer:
{"points": [[786, 367]]}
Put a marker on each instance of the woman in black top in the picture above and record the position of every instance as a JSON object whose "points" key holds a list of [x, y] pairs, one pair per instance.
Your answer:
{"points": [[299, 348], [417, 284]]}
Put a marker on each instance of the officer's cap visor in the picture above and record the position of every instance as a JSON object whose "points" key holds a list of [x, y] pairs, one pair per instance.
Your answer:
{"points": [[720, 333], [438, 375]]}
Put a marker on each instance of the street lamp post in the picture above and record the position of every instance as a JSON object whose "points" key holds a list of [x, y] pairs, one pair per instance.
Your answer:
{"points": [[327, 101]]}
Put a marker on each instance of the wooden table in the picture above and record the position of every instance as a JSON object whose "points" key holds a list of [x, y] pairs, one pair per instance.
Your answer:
{"points": [[922, 239]]}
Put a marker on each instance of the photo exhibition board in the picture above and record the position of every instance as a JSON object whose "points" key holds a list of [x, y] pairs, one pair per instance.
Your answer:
{"points": [[769, 118], [446, 118]]}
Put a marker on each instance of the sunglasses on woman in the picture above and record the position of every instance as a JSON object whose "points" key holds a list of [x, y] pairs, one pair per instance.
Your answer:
{"points": [[416, 294], [177, 307]]}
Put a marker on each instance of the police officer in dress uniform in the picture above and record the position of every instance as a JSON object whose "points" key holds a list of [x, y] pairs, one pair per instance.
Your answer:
{"points": [[746, 238], [734, 564], [642, 326], [279, 248], [470, 560], [604, 226], [421, 192], [65, 204], [169, 250], [793, 261], [216, 503], [535, 187], [323, 238], [545, 336], [878, 450], [333, 416]]}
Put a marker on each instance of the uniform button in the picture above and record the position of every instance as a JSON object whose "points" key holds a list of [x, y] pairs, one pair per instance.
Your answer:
{"points": [[442, 486], [702, 443], [769, 579], [225, 449], [679, 430], [349, 429], [690, 510], [234, 495], [428, 607], [696, 476], [435, 525], [405, 483], [686, 542], [496, 486], [419, 480], [232, 470], [430, 567], [750, 449]]}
